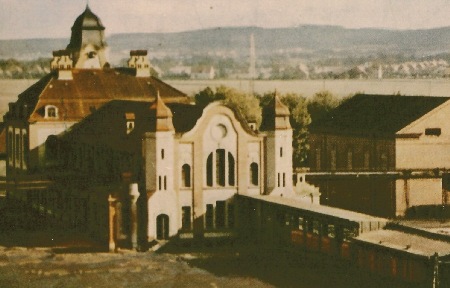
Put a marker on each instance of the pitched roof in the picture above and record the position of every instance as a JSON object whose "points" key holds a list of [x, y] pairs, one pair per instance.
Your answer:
{"points": [[375, 115], [107, 125], [91, 89]]}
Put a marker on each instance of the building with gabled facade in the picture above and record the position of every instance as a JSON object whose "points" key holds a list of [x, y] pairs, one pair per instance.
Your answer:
{"points": [[382, 155], [122, 154]]}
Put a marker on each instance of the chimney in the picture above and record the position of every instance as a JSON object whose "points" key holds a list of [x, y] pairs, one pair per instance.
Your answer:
{"points": [[139, 61], [62, 62]]}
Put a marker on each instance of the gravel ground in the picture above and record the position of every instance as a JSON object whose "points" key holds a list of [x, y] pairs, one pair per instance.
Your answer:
{"points": [[34, 255]]}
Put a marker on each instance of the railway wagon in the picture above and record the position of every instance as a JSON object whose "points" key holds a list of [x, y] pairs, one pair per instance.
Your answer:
{"points": [[290, 223]]}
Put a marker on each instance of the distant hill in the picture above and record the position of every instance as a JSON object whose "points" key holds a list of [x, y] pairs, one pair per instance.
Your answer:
{"points": [[308, 39]]}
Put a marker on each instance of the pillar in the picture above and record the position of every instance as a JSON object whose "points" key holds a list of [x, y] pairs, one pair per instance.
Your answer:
{"points": [[112, 213], [134, 195]]}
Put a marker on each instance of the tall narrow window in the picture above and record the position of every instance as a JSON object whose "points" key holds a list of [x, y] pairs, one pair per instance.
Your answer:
{"points": [[281, 151], [186, 218], [220, 214], [17, 147], [278, 180], [209, 216], [284, 179], [231, 171], [159, 182], [10, 145], [254, 174], [209, 170], [165, 182], [162, 153], [318, 160], [220, 167], [186, 175], [366, 159], [333, 158], [349, 159]]}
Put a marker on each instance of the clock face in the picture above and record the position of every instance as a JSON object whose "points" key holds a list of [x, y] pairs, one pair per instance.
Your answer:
{"points": [[218, 132]]}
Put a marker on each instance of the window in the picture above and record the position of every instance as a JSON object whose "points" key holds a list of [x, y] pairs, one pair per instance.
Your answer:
{"points": [[278, 180], [220, 214], [17, 147], [254, 174], [284, 179], [165, 182], [349, 159], [51, 111], [366, 159], [162, 153], [186, 175], [130, 126], [333, 159], [10, 145], [433, 131], [209, 172], [159, 183], [218, 164], [186, 218], [281, 151], [209, 216], [220, 167], [318, 160], [231, 173]]}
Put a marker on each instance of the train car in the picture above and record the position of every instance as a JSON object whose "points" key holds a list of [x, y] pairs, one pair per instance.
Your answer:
{"points": [[400, 255], [291, 223]]}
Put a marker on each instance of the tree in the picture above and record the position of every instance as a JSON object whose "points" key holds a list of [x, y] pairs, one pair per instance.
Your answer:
{"points": [[246, 104], [321, 103]]}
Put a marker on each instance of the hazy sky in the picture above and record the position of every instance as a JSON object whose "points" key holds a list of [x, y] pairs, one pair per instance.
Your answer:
{"points": [[54, 18]]}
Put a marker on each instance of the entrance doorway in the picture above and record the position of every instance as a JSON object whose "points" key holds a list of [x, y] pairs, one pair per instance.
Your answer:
{"points": [[162, 227]]}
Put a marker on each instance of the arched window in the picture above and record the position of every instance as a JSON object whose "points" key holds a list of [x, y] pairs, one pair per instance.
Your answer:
{"points": [[209, 172], [51, 111], [220, 167], [231, 169], [254, 174], [218, 164], [186, 175]]}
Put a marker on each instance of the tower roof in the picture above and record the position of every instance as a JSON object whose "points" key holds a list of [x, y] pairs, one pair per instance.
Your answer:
{"points": [[163, 115], [162, 111], [87, 21], [275, 109]]}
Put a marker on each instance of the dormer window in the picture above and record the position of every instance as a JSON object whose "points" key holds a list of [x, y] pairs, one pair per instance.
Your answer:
{"points": [[130, 117], [51, 111]]}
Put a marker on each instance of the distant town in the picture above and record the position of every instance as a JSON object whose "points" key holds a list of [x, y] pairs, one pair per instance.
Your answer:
{"points": [[304, 52]]}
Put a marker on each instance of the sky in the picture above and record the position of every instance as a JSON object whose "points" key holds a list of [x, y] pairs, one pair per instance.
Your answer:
{"points": [[22, 19]]}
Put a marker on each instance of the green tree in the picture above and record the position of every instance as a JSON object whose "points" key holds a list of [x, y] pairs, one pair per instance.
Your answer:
{"points": [[321, 103], [246, 104]]}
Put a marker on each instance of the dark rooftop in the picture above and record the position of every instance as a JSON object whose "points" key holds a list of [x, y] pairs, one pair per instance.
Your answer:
{"points": [[91, 89], [375, 115]]}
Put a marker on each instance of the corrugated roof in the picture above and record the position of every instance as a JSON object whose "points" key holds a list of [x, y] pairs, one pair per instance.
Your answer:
{"points": [[377, 115], [319, 209], [406, 242], [90, 89]]}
